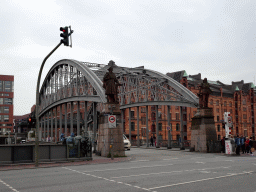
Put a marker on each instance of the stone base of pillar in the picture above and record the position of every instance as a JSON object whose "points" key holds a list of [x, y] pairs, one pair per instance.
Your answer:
{"points": [[203, 130], [110, 136]]}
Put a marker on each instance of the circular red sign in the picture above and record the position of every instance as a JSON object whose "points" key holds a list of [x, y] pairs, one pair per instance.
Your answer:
{"points": [[111, 119]]}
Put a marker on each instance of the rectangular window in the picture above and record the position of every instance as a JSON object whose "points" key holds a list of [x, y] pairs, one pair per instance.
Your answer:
{"points": [[143, 109], [218, 118], [6, 109], [6, 118], [244, 108], [159, 115], [230, 111], [177, 116], [217, 103], [143, 120], [1, 85], [8, 101], [7, 86], [160, 126], [244, 116], [218, 137], [132, 114], [1, 101], [217, 110], [177, 127], [132, 126]]}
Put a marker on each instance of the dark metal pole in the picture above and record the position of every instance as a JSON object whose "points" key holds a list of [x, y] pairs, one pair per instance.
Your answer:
{"points": [[169, 125], [37, 104]]}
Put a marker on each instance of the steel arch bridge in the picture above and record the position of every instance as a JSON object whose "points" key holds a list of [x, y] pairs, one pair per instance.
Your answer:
{"points": [[71, 81]]}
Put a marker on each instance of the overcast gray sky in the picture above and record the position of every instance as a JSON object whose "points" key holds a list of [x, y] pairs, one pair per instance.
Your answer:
{"points": [[215, 38]]}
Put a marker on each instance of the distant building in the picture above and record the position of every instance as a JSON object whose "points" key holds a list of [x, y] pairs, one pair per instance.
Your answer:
{"points": [[6, 103]]}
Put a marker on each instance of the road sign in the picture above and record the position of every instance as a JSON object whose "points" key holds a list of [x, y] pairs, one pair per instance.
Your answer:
{"points": [[112, 121]]}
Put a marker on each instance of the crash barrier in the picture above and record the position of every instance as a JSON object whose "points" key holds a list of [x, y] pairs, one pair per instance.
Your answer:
{"points": [[79, 149]]}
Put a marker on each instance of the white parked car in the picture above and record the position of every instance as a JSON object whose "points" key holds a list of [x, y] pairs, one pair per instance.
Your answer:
{"points": [[127, 143]]}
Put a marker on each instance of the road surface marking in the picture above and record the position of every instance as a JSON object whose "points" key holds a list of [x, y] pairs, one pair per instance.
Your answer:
{"points": [[103, 179], [138, 161], [199, 180], [99, 170], [145, 174], [200, 162], [10, 187]]}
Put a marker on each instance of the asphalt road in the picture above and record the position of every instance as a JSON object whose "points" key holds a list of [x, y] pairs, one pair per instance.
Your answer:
{"points": [[149, 170]]}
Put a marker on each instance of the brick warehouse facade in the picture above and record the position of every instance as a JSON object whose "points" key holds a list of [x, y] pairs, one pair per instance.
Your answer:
{"points": [[6, 103], [237, 98]]}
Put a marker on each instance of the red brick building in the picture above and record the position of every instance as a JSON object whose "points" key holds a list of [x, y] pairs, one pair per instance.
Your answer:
{"points": [[237, 98], [6, 103]]}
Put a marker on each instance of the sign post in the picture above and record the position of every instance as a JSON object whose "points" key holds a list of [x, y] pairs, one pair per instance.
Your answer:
{"points": [[112, 121]]}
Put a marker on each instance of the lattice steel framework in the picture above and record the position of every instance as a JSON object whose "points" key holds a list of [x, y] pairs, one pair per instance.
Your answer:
{"points": [[67, 81], [70, 80]]}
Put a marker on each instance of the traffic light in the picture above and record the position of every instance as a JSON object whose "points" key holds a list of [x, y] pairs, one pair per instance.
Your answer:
{"points": [[65, 36], [31, 122]]}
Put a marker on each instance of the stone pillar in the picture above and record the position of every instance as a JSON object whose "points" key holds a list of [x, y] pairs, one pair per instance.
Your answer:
{"points": [[203, 130], [110, 136]]}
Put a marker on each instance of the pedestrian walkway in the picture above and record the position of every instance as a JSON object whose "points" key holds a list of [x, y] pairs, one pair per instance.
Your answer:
{"points": [[96, 160]]}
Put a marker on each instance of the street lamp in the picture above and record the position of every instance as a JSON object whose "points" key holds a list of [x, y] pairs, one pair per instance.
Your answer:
{"points": [[37, 91]]}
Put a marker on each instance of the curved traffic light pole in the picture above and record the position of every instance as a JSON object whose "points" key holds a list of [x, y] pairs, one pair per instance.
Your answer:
{"points": [[37, 104]]}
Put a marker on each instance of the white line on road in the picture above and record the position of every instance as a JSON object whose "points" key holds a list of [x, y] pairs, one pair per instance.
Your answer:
{"points": [[10, 187], [104, 179], [139, 167], [138, 161], [200, 162], [145, 174], [199, 180]]}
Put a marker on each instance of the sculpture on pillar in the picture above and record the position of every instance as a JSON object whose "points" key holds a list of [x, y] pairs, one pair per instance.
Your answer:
{"points": [[110, 84], [204, 92]]}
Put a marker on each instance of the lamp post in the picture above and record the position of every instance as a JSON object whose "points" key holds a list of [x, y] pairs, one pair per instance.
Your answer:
{"points": [[37, 104], [65, 41]]}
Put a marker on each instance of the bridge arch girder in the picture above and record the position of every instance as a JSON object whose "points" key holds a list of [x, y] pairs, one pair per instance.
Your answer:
{"points": [[68, 80]]}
